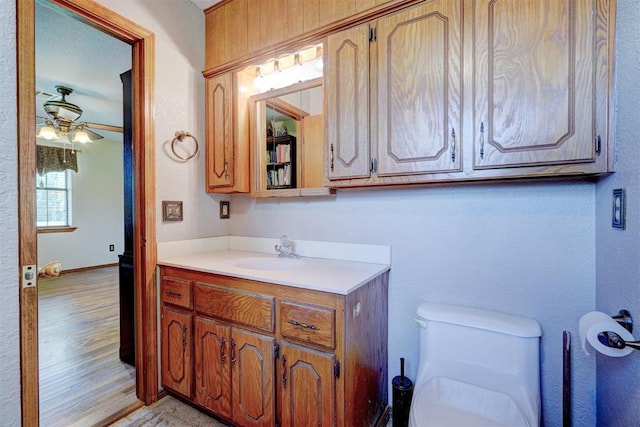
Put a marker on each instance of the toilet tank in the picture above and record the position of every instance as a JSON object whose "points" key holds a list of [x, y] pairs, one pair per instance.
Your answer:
{"points": [[481, 347]]}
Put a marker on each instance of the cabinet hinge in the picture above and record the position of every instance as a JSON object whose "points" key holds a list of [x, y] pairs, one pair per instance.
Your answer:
{"points": [[336, 369], [276, 351], [598, 145], [374, 166], [373, 34]]}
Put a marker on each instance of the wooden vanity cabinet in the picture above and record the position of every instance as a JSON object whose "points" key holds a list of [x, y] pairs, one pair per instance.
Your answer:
{"points": [[307, 382], [234, 372], [268, 354], [176, 327]]}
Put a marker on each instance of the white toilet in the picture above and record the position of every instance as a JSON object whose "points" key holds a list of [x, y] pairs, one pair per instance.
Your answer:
{"points": [[477, 368]]}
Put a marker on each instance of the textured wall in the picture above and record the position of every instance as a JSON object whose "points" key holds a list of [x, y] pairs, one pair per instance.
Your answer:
{"points": [[9, 337], [179, 105], [97, 207], [521, 248], [618, 252]]}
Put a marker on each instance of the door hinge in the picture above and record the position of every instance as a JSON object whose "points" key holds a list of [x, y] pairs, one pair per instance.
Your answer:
{"points": [[598, 145], [29, 276], [373, 34], [336, 369], [276, 351]]}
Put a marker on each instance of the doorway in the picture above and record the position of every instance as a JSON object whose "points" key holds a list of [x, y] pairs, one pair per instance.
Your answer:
{"points": [[86, 370], [144, 247]]}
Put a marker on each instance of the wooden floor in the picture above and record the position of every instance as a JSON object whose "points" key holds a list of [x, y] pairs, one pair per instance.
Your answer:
{"points": [[82, 380]]}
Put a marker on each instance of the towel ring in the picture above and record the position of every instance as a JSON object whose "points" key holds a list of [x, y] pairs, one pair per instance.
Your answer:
{"points": [[180, 136]]}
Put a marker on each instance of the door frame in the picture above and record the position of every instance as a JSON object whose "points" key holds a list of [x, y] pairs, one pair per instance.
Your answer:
{"points": [[142, 43]]}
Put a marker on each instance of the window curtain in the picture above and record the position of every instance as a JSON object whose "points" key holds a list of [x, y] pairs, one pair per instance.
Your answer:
{"points": [[55, 159]]}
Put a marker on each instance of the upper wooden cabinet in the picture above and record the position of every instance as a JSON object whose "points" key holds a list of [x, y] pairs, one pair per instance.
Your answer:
{"points": [[416, 84], [226, 165], [237, 28], [534, 74], [432, 91], [515, 89], [219, 136]]}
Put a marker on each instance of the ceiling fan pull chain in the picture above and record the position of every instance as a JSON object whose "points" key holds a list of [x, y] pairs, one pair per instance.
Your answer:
{"points": [[179, 137]]}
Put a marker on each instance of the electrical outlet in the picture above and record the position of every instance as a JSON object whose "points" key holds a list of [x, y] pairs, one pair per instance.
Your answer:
{"points": [[112, 248]]}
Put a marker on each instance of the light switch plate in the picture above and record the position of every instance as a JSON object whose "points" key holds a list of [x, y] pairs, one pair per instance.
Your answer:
{"points": [[224, 210], [618, 211]]}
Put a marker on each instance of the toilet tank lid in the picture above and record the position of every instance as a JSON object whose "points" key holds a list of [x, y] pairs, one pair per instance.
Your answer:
{"points": [[480, 318]]}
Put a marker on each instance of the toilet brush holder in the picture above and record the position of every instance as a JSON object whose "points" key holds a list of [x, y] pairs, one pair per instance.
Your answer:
{"points": [[402, 394]]}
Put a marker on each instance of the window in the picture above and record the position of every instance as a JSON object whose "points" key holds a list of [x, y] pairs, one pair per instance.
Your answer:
{"points": [[53, 199]]}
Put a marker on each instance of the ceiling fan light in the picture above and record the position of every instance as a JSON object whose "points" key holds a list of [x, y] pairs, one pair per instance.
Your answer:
{"points": [[48, 133], [82, 137]]}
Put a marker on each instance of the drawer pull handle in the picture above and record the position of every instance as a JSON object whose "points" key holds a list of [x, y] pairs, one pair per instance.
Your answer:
{"points": [[223, 353], [303, 325], [174, 294]]}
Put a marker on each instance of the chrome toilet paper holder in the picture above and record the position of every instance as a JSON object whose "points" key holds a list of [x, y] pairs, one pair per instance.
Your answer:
{"points": [[624, 319], [612, 339]]}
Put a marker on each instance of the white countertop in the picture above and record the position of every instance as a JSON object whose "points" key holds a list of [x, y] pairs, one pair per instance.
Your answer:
{"points": [[321, 274]]}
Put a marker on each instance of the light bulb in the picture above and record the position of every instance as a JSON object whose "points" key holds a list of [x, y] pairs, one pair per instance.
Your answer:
{"points": [[258, 81], [277, 76], [82, 137], [48, 132], [319, 59], [297, 68]]}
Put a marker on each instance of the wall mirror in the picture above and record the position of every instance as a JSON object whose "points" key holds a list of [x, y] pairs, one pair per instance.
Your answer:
{"points": [[287, 140], [287, 126]]}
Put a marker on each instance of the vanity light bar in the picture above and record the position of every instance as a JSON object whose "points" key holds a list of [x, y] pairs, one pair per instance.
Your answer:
{"points": [[305, 64]]}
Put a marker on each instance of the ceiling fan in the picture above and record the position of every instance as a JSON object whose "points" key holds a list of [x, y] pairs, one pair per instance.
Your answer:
{"points": [[61, 121]]}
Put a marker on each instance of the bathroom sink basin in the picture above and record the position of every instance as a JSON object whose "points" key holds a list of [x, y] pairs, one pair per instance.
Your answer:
{"points": [[267, 264]]}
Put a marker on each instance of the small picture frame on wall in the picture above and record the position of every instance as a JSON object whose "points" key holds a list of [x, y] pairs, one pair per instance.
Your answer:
{"points": [[224, 210], [618, 209], [171, 211]]}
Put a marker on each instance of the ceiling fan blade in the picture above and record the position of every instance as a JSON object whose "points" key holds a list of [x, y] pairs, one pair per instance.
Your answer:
{"points": [[101, 126], [94, 136]]}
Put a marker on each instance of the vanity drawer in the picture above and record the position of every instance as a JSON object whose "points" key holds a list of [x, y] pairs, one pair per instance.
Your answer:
{"points": [[176, 291], [308, 323], [237, 306]]}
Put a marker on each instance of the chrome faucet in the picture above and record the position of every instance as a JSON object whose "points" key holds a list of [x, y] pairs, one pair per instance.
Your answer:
{"points": [[285, 248]]}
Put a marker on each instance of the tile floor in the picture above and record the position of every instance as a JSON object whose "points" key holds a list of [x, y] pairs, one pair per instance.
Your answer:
{"points": [[167, 412], [170, 412]]}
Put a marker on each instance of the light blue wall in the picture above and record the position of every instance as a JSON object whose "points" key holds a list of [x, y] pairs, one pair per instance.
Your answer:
{"points": [[618, 252], [521, 248]]}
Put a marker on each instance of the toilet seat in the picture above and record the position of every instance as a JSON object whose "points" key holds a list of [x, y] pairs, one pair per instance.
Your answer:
{"points": [[444, 402]]}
